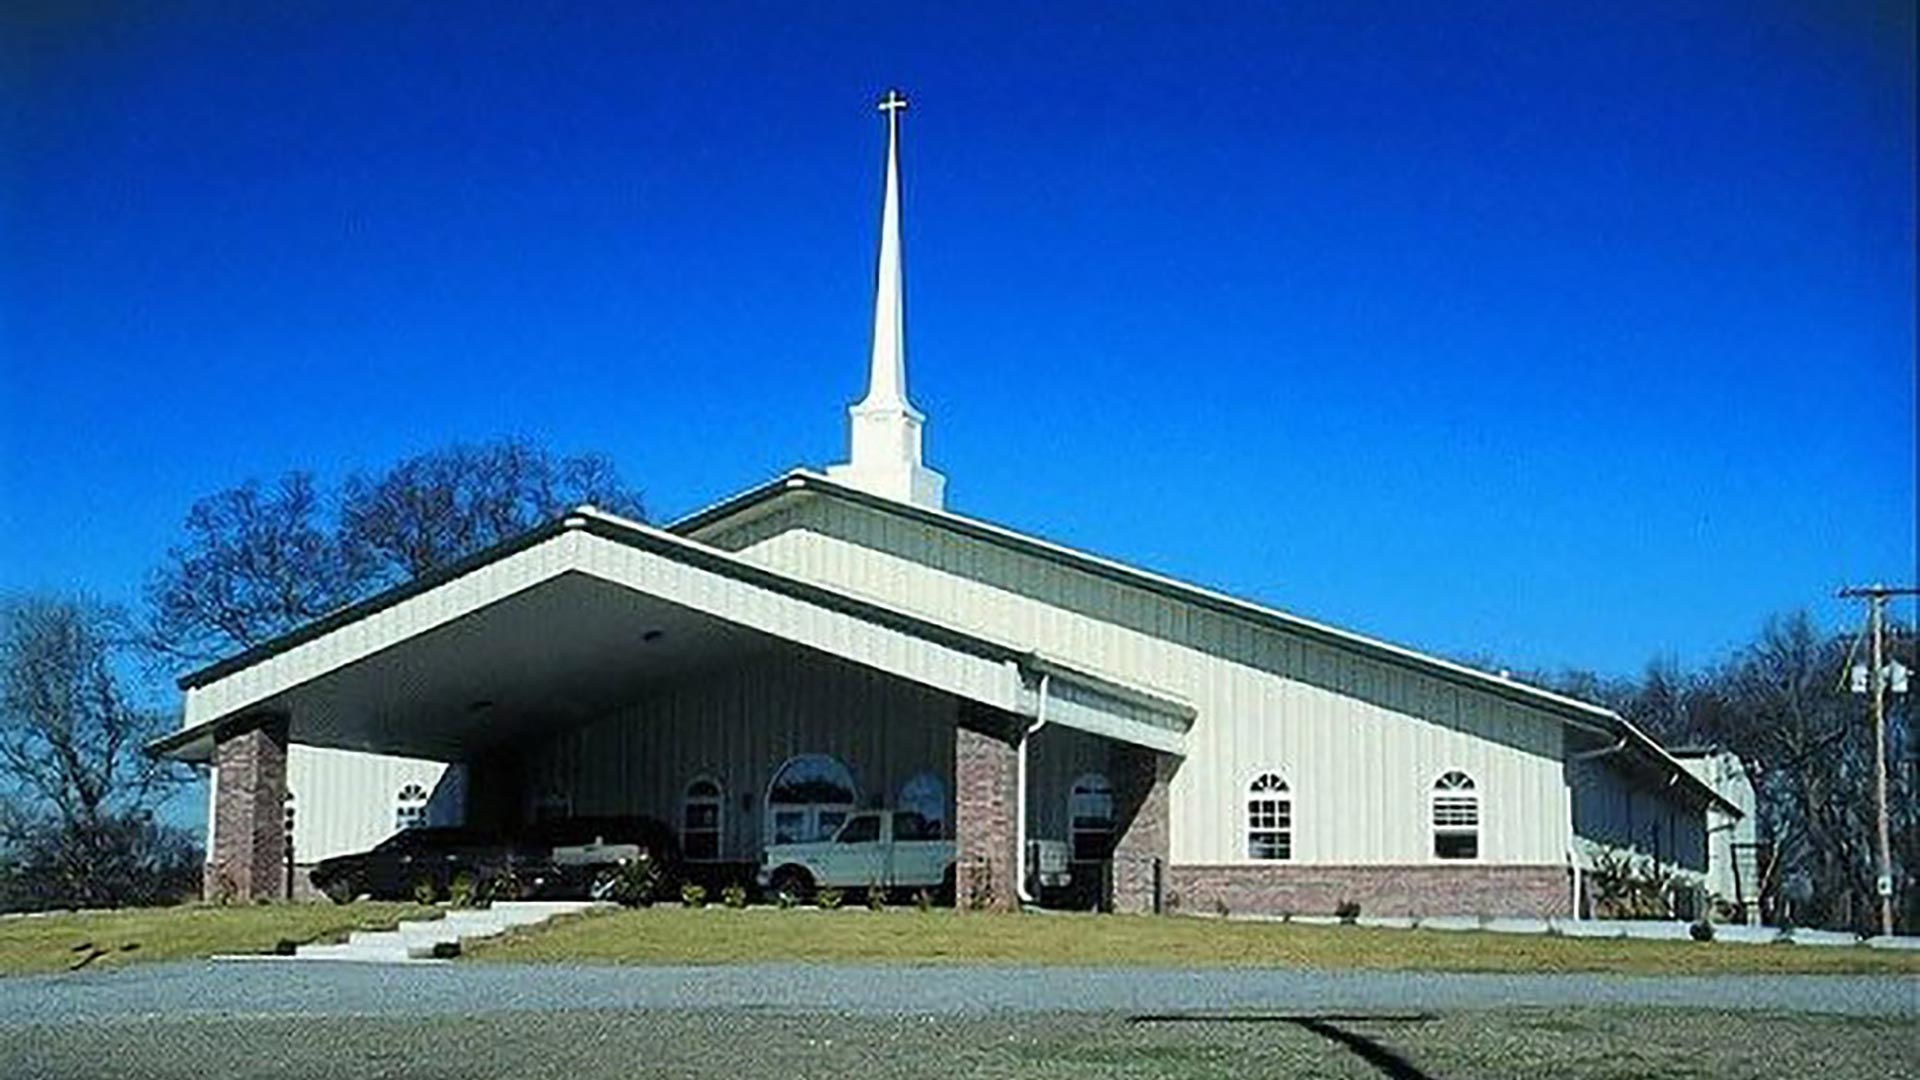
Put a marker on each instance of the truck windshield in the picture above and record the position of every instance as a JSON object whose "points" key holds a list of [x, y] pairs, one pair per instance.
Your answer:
{"points": [[860, 829]]}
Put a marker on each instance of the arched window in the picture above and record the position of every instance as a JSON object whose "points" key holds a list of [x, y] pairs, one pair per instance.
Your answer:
{"points": [[410, 808], [1090, 817], [700, 813], [1456, 817], [809, 797], [922, 809], [1269, 818]]}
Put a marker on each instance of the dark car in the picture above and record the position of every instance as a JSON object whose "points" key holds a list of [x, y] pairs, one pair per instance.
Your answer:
{"points": [[406, 863]]}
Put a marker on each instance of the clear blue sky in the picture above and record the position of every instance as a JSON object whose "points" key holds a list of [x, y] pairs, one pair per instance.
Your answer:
{"points": [[1570, 338]]}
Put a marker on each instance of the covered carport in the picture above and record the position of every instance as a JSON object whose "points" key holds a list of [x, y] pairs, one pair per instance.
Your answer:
{"points": [[573, 619]]}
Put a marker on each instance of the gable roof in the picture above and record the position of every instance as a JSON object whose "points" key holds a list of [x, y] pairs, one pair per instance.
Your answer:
{"points": [[1573, 711]]}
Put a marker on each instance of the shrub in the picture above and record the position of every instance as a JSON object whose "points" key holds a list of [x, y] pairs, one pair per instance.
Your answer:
{"points": [[692, 895], [783, 899], [424, 891], [1630, 886], [1220, 907], [923, 899], [461, 892], [1701, 931], [636, 883], [1348, 911], [828, 898], [734, 896], [502, 884], [876, 897]]}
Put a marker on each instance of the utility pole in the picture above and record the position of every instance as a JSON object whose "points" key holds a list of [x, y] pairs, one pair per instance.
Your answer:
{"points": [[1876, 598]]}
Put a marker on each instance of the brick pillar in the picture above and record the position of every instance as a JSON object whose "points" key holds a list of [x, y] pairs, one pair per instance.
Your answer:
{"points": [[1140, 848], [984, 803], [250, 805]]}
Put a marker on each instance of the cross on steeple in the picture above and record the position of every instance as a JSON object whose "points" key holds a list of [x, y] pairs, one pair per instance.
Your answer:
{"points": [[892, 101]]}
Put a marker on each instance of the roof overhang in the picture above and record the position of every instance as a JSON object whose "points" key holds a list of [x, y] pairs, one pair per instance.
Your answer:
{"points": [[579, 616]]}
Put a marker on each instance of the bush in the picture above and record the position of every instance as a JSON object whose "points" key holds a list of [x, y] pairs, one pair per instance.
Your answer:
{"points": [[692, 895], [783, 899], [1348, 911], [876, 897], [461, 893], [1630, 886], [734, 896], [828, 898], [923, 899], [636, 883], [1220, 907], [1701, 931], [424, 891], [502, 884]]}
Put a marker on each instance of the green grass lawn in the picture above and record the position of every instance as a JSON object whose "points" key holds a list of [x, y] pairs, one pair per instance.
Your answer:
{"points": [[673, 935], [103, 939]]}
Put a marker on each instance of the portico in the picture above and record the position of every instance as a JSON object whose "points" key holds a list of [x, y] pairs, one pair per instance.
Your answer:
{"points": [[601, 666]]}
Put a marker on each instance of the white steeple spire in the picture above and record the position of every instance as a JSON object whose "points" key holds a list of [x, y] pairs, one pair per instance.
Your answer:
{"points": [[885, 426]]}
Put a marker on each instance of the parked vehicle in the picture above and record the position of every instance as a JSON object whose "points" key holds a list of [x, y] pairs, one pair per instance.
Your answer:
{"points": [[583, 854], [403, 864], [559, 858], [892, 849]]}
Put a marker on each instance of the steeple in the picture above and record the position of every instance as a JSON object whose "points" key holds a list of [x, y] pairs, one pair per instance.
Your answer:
{"points": [[886, 428]]}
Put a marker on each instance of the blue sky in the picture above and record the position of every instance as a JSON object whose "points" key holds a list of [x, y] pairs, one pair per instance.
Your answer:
{"points": [[1555, 333]]}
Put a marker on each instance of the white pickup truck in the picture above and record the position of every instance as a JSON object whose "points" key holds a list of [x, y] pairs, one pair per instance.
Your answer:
{"points": [[894, 849]]}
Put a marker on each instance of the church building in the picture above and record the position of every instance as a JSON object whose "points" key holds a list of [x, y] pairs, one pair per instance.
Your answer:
{"points": [[837, 640]]}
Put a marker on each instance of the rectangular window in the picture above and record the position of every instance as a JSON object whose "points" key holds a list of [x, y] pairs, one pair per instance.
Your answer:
{"points": [[1456, 845]]}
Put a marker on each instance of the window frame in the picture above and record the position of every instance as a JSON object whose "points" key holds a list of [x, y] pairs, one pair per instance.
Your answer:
{"points": [[409, 810], [1276, 800], [1090, 785], [1463, 793], [717, 799], [938, 786], [820, 819]]}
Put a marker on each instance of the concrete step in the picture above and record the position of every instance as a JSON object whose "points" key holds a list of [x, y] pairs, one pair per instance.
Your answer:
{"points": [[413, 940]]}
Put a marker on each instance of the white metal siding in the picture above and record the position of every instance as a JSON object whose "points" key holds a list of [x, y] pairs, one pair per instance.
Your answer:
{"points": [[1360, 741], [344, 801]]}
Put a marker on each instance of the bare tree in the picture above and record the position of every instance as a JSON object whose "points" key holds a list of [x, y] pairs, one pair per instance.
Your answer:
{"points": [[257, 561], [77, 792], [260, 560], [441, 506]]}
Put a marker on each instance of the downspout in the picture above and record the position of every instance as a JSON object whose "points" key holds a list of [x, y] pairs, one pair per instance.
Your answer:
{"points": [[1020, 795]]}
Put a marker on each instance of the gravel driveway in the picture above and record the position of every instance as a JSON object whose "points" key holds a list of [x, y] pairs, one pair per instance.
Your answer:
{"points": [[281, 988]]}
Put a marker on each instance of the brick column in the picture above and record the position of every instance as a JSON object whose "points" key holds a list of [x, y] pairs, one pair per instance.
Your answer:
{"points": [[249, 811], [1140, 848], [984, 803]]}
